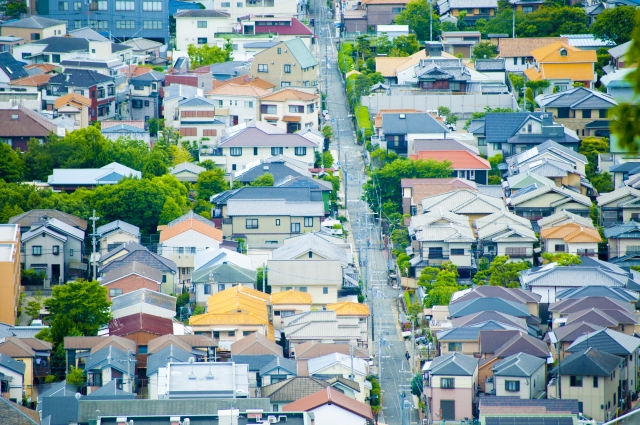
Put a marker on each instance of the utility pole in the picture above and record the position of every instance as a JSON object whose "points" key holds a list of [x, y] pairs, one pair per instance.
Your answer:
{"points": [[513, 22], [430, 20], [413, 345], [94, 258], [352, 376]]}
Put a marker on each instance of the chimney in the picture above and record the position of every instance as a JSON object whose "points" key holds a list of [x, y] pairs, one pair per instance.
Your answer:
{"points": [[433, 48]]}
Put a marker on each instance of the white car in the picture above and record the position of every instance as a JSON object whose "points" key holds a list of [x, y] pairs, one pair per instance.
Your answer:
{"points": [[583, 420], [451, 127]]}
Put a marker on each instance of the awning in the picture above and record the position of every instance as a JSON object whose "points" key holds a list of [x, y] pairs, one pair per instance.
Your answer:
{"points": [[290, 118], [77, 265], [270, 118]]}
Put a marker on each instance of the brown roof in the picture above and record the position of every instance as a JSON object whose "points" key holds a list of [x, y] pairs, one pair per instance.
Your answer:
{"points": [[74, 99], [244, 80], [523, 343], [45, 67], [82, 342], [140, 322], [490, 341], [140, 269], [330, 396], [27, 123], [573, 331], [313, 349], [424, 188], [37, 344], [33, 216], [191, 224], [254, 344], [289, 94], [14, 414], [388, 66], [133, 71], [186, 342], [32, 80], [522, 47], [14, 347], [239, 90], [119, 342], [291, 118], [112, 123]]}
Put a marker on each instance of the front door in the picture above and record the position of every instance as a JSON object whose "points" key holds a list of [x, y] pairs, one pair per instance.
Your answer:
{"points": [[448, 410], [55, 274], [234, 120]]}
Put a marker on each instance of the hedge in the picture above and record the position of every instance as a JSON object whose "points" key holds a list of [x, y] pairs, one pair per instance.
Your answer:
{"points": [[363, 121]]}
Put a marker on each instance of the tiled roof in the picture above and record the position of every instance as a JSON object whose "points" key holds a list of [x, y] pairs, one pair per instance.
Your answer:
{"points": [[619, 294], [349, 309], [523, 343], [462, 308], [489, 341], [484, 316], [573, 71], [169, 353], [456, 364], [330, 396], [575, 304], [577, 98], [32, 80], [15, 347], [291, 297], [630, 229], [471, 333], [238, 90], [389, 67], [261, 134], [33, 22], [140, 322], [313, 349], [301, 53], [518, 47], [254, 362], [519, 198], [492, 405], [288, 365], [289, 94], [302, 244], [595, 317], [518, 365], [606, 340], [618, 194], [503, 217], [244, 80], [551, 53], [27, 124], [573, 331], [14, 414], [419, 123], [37, 344], [118, 225], [463, 202], [186, 342], [571, 233], [224, 273], [72, 98], [460, 160], [563, 217], [134, 267], [319, 365], [588, 362], [191, 224], [293, 389]]}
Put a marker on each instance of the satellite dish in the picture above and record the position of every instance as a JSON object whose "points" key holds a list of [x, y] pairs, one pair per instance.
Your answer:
{"points": [[192, 360], [78, 395]]}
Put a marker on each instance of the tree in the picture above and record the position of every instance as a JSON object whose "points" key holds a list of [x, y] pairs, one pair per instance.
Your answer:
{"points": [[485, 50], [416, 15], [501, 272], [170, 211], [561, 258], [416, 385], [327, 132], [408, 44], [208, 55], [75, 377], [11, 165], [615, 24], [155, 124], [13, 8], [208, 164], [552, 21], [591, 147], [259, 283], [494, 173], [382, 44], [264, 180], [211, 182], [33, 309], [178, 155], [154, 167], [602, 182]]}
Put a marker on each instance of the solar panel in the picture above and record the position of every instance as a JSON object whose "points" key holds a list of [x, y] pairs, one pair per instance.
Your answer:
{"points": [[539, 420]]}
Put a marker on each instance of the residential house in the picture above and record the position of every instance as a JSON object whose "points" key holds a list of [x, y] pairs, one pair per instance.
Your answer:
{"points": [[99, 88], [145, 95], [290, 109], [292, 389], [563, 65], [58, 404], [619, 56], [34, 353], [504, 233], [625, 174], [12, 380], [195, 117], [10, 70], [133, 251], [495, 69], [455, 42], [437, 73], [551, 278], [475, 305], [255, 344], [619, 206], [561, 338], [516, 295], [187, 171], [146, 51], [564, 217], [465, 164], [56, 249], [209, 280], [601, 311], [33, 28], [278, 370], [415, 190], [10, 269], [289, 303], [520, 375], [248, 142], [159, 359], [287, 64], [330, 405], [621, 242], [116, 233], [451, 390], [70, 179], [593, 378], [280, 167], [236, 103], [231, 380], [465, 338], [350, 309], [485, 9], [517, 52], [74, 106], [390, 67], [381, 12], [473, 205], [35, 218], [286, 28], [577, 108], [571, 238], [34, 86], [113, 130], [144, 301], [21, 125], [325, 187], [200, 346], [131, 277], [110, 363], [78, 348], [211, 257], [198, 27], [613, 293], [7, 42], [183, 237], [339, 365], [320, 325]]}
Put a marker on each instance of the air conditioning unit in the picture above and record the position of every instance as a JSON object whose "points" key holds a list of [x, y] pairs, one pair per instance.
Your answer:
{"points": [[272, 419]]}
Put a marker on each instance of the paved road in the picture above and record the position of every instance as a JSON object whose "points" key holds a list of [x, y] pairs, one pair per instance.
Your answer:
{"points": [[387, 344]]}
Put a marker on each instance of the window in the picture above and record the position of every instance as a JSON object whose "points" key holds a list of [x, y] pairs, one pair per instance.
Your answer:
{"points": [[396, 10], [586, 113], [516, 252], [277, 222], [216, 334], [301, 151], [263, 67], [455, 346], [279, 50], [55, 58], [527, 9], [94, 379], [220, 287], [235, 151], [98, 5], [457, 251], [295, 227], [302, 289], [268, 109], [325, 290], [512, 385], [152, 25], [225, 4], [101, 92], [603, 113], [77, 5], [142, 349], [63, 5], [202, 24], [484, 11], [202, 40], [152, 6], [207, 289], [56, 250], [515, 61], [252, 223], [115, 292], [231, 333], [287, 69], [595, 382], [285, 84], [248, 103], [234, 167], [296, 109], [239, 4], [308, 222], [125, 25], [310, 108], [559, 248], [77, 24], [575, 381], [447, 382], [36, 250], [276, 151], [125, 5]]}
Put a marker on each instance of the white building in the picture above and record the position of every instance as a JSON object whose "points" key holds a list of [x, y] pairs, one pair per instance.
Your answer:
{"points": [[199, 379], [213, 256], [199, 27], [520, 375], [236, 103]]}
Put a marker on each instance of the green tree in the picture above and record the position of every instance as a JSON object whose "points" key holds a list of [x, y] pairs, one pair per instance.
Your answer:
{"points": [[485, 50], [382, 44], [11, 165], [208, 55], [33, 309], [591, 147], [13, 8], [263, 286], [602, 182], [416, 385], [211, 182], [264, 180], [416, 15], [75, 377], [327, 132], [615, 24], [170, 211], [155, 124], [501, 272], [552, 21], [495, 173], [561, 258], [208, 164], [408, 44], [154, 166]]}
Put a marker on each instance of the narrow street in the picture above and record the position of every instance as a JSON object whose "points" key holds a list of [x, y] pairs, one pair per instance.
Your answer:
{"points": [[386, 343]]}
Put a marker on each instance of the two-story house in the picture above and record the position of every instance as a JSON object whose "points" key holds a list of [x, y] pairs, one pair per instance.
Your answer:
{"points": [[623, 241], [197, 27], [291, 109], [33, 28], [145, 95], [55, 49], [209, 280], [237, 103], [465, 164], [468, 12], [116, 233], [504, 233], [562, 65], [74, 106], [619, 206], [287, 64], [99, 88], [399, 131], [520, 375], [517, 51], [571, 238], [196, 119], [451, 390]]}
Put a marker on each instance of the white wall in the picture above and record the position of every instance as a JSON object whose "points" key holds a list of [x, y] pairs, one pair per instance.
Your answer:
{"points": [[331, 414], [529, 387], [227, 161]]}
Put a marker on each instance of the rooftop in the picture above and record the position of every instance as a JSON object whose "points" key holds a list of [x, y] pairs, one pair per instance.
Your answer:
{"points": [[330, 396], [33, 22], [455, 364]]}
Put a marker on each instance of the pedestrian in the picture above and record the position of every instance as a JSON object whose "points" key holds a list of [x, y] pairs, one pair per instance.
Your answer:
{"points": [[408, 356], [368, 242]]}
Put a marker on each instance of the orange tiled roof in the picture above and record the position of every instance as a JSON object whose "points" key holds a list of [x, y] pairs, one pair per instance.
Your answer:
{"points": [[32, 80], [330, 396], [389, 66], [239, 90], [349, 309], [291, 297], [245, 80], [136, 71], [45, 67], [289, 94], [73, 99], [191, 224], [551, 53], [460, 160], [572, 71], [571, 233]]}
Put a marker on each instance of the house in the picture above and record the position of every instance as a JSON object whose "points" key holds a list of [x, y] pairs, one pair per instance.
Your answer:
{"points": [[454, 42], [475, 305], [465, 164], [55, 248], [200, 346], [289, 303], [183, 237], [330, 405], [463, 335], [505, 409], [612, 293], [133, 251], [320, 325], [248, 142], [10, 268], [131, 277], [99, 88], [147, 51], [278, 370], [70, 179], [516, 295], [562, 65], [116, 233], [292, 389], [549, 279], [339, 365], [12, 380], [517, 52], [415, 190], [255, 344], [187, 172], [571, 238], [576, 108], [520, 375], [473, 205], [211, 257], [563, 217], [255, 364], [197, 27], [389, 67], [21, 125], [10, 70], [34, 353], [7, 42], [312, 349], [356, 310], [324, 186], [145, 95], [469, 12], [281, 168], [33, 86], [232, 380], [160, 359], [619, 206], [110, 363], [495, 69], [195, 117], [591, 376], [209, 280], [601, 311], [290, 60], [144, 301], [78, 348], [451, 390], [237, 103], [35, 218], [382, 12], [290, 109], [561, 338], [625, 174], [439, 73], [33, 28], [74, 106], [504, 233], [126, 131], [58, 404], [621, 242], [617, 84]]}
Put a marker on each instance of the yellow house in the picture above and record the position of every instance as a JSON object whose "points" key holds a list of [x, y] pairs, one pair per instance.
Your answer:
{"points": [[563, 65], [28, 353]]}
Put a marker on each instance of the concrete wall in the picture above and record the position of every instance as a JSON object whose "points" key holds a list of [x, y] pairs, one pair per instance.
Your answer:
{"points": [[463, 105]]}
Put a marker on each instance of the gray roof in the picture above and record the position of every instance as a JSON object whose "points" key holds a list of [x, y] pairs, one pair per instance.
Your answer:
{"points": [[37, 217], [141, 44], [552, 146], [274, 207], [302, 54], [123, 128], [488, 65], [454, 364], [187, 166], [279, 170], [613, 293], [628, 230], [109, 356], [476, 305], [500, 126], [261, 44], [10, 363], [293, 388], [304, 181], [255, 362], [196, 101], [516, 403], [110, 391], [33, 22], [411, 123], [144, 295], [118, 225], [87, 33], [254, 133], [589, 362], [620, 50], [201, 14], [302, 244], [519, 365], [231, 68], [170, 353], [573, 331], [290, 194], [132, 268], [290, 366], [147, 78], [577, 98], [224, 273], [441, 145], [472, 332], [137, 252], [11, 67], [628, 167], [608, 341], [61, 410]]}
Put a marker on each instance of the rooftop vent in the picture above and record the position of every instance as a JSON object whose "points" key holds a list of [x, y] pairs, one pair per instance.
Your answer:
{"points": [[402, 116], [14, 117]]}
